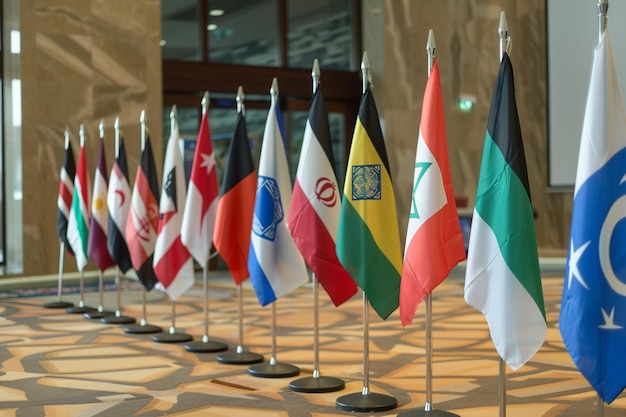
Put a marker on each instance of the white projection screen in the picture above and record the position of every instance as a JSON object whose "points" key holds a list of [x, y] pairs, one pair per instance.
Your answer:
{"points": [[572, 32]]}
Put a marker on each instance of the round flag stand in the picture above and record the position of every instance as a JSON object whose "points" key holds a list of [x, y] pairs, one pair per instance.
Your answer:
{"points": [[143, 327], [81, 308], [172, 336], [273, 368], [424, 413], [240, 356], [100, 312], [59, 303], [118, 318]]}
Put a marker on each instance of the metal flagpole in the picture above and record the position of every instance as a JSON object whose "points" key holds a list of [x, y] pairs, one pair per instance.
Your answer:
{"points": [[118, 318], [100, 312], [240, 356], [206, 345], [603, 8], [316, 383], [143, 327], [273, 369], [172, 336], [365, 400], [60, 303], [81, 308]]}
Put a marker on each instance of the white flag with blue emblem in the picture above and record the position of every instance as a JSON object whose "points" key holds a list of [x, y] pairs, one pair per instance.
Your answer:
{"points": [[593, 308], [275, 264]]}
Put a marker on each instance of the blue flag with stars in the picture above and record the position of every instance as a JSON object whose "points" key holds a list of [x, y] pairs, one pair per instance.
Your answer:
{"points": [[592, 320]]}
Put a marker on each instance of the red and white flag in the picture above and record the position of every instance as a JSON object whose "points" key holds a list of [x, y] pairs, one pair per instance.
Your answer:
{"points": [[143, 218], [434, 242], [172, 261], [316, 204], [201, 204]]}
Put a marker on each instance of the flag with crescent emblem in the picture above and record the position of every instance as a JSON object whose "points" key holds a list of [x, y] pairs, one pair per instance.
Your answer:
{"points": [[78, 221], [434, 242], [316, 204], [592, 318], [118, 203], [502, 279], [368, 242], [99, 222], [172, 262], [143, 218], [276, 267], [64, 200]]}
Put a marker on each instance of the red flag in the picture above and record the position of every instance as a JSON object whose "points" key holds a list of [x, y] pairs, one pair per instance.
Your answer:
{"points": [[172, 261], [434, 242], [236, 205], [201, 203], [316, 204], [143, 218], [66, 189], [99, 222]]}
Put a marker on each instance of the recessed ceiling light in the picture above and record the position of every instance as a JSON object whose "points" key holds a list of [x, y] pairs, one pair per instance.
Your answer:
{"points": [[216, 12], [212, 26]]}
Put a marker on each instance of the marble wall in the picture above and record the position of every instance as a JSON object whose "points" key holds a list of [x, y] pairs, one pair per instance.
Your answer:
{"points": [[81, 62], [466, 34]]}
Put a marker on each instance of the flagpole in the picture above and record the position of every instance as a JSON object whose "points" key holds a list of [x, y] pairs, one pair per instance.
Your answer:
{"points": [[143, 327], [118, 318], [603, 8], [366, 400], [81, 308], [316, 383], [273, 368], [172, 336], [60, 303], [428, 303], [503, 33], [240, 356], [100, 312]]}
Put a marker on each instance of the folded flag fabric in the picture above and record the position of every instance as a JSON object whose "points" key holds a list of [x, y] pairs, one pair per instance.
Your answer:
{"points": [[66, 190], [118, 203], [78, 221]]}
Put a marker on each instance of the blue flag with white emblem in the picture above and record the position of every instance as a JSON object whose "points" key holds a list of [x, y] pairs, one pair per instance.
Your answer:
{"points": [[592, 320], [275, 263]]}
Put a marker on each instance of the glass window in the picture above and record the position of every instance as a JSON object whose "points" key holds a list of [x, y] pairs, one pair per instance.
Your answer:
{"points": [[243, 32], [179, 30], [320, 29]]}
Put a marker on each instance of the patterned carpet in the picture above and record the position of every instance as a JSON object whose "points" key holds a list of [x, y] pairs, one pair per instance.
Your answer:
{"points": [[58, 364]]}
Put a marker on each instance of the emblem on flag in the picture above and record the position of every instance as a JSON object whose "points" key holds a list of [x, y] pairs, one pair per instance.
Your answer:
{"points": [[366, 182], [265, 221], [326, 192]]}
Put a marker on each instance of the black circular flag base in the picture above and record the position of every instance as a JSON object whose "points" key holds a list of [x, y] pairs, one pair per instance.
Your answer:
{"points": [[424, 413], [79, 309], [277, 370], [142, 329], [240, 358], [206, 347], [115, 319], [366, 403], [311, 384], [58, 304], [172, 338], [97, 314]]}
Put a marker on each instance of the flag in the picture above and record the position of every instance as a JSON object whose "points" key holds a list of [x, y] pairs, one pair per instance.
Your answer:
{"points": [[593, 307], [502, 278], [236, 205], [314, 213], [276, 267], [143, 218], [99, 222], [434, 241], [118, 203], [64, 201], [368, 241], [172, 262], [201, 203], [78, 221]]}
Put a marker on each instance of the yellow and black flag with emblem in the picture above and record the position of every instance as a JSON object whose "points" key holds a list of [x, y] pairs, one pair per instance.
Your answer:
{"points": [[368, 243]]}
